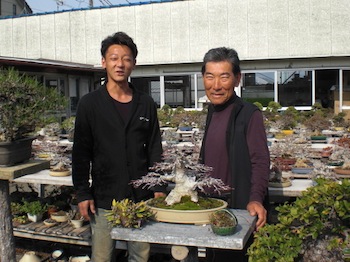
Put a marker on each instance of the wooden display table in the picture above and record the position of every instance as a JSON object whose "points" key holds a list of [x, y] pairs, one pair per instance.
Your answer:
{"points": [[192, 236], [7, 247], [295, 190], [62, 232]]}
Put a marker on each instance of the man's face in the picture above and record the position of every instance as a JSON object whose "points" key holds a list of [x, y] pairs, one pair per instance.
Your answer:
{"points": [[219, 81], [118, 62]]}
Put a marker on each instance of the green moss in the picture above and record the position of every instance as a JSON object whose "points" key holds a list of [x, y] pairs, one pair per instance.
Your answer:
{"points": [[186, 203]]}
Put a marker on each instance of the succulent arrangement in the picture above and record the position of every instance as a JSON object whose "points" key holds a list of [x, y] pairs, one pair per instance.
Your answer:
{"points": [[127, 213]]}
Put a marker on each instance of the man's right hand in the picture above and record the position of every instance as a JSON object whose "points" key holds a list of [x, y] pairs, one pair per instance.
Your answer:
{"points": [[85, 207]]}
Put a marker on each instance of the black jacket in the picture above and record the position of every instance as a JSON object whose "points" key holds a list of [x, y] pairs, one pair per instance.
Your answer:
{"points": [[115, 152]]}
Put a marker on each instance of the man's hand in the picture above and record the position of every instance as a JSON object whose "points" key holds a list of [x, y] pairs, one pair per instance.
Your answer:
{"points": [[257, 209], [85, 207], [159, 194]]}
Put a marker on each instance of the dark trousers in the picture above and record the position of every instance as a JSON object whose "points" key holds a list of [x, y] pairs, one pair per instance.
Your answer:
{"points": [[224, 255]]}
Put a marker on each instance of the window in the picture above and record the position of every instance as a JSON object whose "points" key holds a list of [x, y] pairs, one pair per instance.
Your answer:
{"points": [[326, 81], [258, 87], [294, 88], [178, 91], [14, 9], [149, 85]]}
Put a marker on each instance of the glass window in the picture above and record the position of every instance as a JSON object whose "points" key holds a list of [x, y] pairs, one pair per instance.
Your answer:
{"points": [[258, 87], [178, 91], [294, 88], [202, 97], [149, 85], [14, 10], [326, 82]]}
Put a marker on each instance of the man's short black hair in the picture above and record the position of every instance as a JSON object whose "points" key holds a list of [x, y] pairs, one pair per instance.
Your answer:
{"points": [[119, 38], [222, 54]]}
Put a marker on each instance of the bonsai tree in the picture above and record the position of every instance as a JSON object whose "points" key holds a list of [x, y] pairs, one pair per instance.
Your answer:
{"points": [[313, 228], [68, 126], [25, 104], [317, 123], [164, 115], [181, 167]]}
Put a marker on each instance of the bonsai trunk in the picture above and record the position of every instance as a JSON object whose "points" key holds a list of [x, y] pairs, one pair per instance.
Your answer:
{"points": [[7, 247]]}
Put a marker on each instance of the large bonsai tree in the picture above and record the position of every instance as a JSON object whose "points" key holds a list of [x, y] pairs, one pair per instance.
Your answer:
{"points": [[180, 166], [25, 104]]}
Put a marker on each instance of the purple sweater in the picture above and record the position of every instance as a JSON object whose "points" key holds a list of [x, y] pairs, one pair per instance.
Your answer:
{"points": [[216, 151]]}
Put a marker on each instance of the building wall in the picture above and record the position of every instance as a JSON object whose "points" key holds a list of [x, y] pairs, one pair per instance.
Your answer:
{"points": [[182, 31]]}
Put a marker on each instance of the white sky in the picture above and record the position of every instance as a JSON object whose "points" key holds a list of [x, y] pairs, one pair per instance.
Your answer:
{"points": [[40, 6]]}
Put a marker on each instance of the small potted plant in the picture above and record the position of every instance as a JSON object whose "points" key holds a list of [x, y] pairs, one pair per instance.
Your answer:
{"points": [[126, 213], [223, 222], [34, 209], [75, 218]]}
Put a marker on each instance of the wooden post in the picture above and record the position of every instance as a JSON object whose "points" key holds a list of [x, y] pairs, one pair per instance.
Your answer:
{"points": [[7, 247]]}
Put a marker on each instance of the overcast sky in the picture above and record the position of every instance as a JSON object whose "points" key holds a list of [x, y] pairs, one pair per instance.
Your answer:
{"points": [[40, 6]]}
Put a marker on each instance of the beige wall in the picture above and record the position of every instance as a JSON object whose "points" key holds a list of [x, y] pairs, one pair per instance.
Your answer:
{"points": [[182, 31]]}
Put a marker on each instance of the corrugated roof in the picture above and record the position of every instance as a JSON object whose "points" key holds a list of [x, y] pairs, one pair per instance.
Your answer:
{"points": [[92, 8], [47, 63]]}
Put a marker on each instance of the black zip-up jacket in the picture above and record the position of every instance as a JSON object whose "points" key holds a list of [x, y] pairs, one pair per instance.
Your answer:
{"points": [[113, 153]]}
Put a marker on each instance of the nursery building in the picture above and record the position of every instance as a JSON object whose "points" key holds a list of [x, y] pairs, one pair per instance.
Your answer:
{"points": [[295, 52]]}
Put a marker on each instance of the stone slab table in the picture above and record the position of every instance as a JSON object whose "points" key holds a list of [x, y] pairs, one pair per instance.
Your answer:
{"points": [[7, 247], [191, 236]]}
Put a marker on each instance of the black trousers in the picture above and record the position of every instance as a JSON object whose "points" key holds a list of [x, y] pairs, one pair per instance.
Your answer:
{"points": [[224, 255]]}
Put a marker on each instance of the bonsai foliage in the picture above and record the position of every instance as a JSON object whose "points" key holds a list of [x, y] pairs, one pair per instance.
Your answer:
{"points": [[180, 166], [312, 226], [25, 104], [126, 213]]}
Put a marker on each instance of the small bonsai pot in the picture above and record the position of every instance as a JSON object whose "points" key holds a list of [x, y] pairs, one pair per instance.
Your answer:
{"points": [[223, 222]]}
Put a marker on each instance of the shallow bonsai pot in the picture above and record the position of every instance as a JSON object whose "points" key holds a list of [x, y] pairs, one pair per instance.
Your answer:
{"points": [[77, 223], [59, 216], [50, 222], [287, 132], [185, 216], [302, 170], [223, 231], [59, 173], [281, 184]]}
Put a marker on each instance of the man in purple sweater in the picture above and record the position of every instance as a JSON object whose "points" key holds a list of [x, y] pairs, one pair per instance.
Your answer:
{"points": [[235, 142]]}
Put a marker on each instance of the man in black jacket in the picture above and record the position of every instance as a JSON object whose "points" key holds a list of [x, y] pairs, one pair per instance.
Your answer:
{"points": [[235, 142], [116, 139]]}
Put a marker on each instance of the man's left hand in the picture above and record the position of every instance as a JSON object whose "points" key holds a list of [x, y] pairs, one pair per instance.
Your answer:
{"points": [[159, 194], [257, 209]]}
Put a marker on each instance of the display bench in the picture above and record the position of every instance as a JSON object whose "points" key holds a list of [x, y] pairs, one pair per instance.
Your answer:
{"points": [[7, 249], [191, 236], [62, 232], [295, 190]]}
